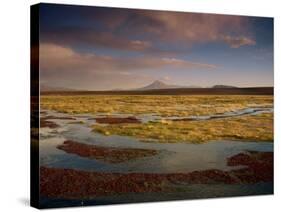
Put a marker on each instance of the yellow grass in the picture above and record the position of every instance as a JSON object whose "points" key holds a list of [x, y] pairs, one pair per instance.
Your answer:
{"points": [[161, 105], [249, 128]]}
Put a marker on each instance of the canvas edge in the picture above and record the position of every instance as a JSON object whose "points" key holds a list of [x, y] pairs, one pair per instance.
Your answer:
{"points": [[34, 106]]}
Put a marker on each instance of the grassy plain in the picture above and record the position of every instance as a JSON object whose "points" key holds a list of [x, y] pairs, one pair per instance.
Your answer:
{"points": [[164, 105], [249, 127]]}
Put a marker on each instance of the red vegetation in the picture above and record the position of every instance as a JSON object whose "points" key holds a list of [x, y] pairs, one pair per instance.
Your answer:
{"points": [[116, 120], [45, 122], [107, 154], [49, 124], [259, 166], [68, 183]]}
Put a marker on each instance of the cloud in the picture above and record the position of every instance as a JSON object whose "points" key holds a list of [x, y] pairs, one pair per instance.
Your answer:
{"points": [[62, 66], [195, 28], [71, 36], [236, 42], [141, 30], [187, 64], [166, 78], [54, 58]]}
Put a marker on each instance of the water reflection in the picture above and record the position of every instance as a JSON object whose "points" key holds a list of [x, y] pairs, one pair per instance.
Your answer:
{"points": [[172, 158]]}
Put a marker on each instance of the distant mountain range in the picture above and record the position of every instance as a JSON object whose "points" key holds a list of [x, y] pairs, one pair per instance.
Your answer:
{"points": [[161, 85], [157, 84], [45, 88], [160, 88]]}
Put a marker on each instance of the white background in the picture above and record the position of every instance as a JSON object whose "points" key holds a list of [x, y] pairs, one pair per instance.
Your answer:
{"points": [[14, 101]]}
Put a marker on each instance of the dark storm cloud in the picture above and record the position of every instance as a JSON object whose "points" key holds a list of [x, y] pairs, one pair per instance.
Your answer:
{"points": [[138, 30]]}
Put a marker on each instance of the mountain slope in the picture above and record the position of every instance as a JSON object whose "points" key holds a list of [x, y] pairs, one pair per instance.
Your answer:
{"points": [[223, 86], [158, 85]]}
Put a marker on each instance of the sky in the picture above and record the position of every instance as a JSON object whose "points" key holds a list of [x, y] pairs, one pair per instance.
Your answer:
{"points": [[99, 48]]}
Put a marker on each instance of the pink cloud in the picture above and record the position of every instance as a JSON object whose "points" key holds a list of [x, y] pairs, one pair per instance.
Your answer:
{"points": [[192, 27], [55, 58], [236, 42]]}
